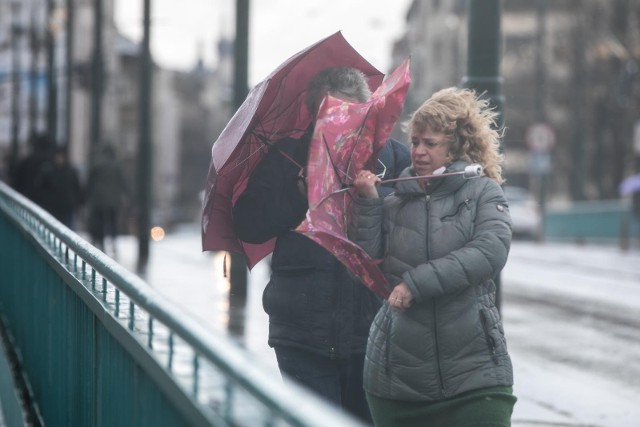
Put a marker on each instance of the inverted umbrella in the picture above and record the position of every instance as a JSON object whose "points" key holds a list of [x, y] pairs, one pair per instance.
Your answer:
{"points": [[346, 140], [274, 109]]}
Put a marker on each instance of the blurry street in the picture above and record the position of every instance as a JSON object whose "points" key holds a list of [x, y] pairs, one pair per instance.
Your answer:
{"points": [[570, 314]]}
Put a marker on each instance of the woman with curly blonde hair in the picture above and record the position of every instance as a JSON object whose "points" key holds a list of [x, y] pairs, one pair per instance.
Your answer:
{"points": [[437, 353]]}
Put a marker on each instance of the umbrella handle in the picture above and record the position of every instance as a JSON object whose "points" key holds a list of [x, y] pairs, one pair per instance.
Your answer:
{"points": [[472, 171]]}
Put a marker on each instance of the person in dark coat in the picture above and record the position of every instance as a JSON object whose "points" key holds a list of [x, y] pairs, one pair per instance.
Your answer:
{"points": [[28, 176], [106, 191], [63, 191], [319, 313]]}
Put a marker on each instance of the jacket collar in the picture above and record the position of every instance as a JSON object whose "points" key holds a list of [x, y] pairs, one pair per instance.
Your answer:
{"points": [[441, 186]]}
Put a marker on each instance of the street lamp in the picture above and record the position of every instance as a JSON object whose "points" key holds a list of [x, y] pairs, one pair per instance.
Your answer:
{"points": [[55, 19], [36, 37], [483, 64], [16, 31]]}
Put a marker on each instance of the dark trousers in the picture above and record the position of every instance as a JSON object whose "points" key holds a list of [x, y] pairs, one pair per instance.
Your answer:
{"points": [[337, 380], [102, 224]]}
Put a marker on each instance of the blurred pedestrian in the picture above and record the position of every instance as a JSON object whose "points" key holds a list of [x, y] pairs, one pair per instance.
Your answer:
{"points": [[437, 354], [28, 176], [106, 191], [635, 220], [63, 192], [630, 187], [319, 314]]}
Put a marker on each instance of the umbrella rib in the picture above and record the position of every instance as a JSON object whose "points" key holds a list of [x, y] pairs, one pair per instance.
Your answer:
{"points": [[245, 160], [337, 170], [358, 140]]}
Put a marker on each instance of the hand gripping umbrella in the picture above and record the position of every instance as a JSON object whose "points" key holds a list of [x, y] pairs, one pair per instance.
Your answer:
{"points": [[346, 139], [274, 109]]}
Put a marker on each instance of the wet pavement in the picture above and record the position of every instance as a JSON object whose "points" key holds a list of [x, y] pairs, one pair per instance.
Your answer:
{"points": [[559, 303]]}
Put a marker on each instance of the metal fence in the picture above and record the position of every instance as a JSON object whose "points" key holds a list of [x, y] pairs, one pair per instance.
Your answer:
{"points": [[597, 221], [97, 346]]}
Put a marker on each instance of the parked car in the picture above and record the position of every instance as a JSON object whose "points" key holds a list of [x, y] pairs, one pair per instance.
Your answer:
{"points": [[525, 213]]}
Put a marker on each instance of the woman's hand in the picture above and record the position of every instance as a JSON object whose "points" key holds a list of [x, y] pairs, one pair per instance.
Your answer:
{"points": [[365, 184], [400, 298]]}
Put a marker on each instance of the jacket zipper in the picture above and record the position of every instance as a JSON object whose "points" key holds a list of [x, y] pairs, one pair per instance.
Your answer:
{"points": [[433, 305], [466, 203]]}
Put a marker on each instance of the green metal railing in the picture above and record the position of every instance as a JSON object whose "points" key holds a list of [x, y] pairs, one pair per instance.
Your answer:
{"points": [[585, 221], [99, 347]]}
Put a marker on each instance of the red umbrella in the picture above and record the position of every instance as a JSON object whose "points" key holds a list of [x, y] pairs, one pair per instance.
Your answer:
{"points": [[274, 109], [346, 139]]}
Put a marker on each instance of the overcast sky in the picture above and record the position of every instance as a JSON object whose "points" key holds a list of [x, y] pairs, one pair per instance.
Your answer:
{"points": [[278, 28]]}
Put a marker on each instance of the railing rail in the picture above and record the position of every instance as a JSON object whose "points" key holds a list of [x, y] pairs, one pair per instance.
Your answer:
{"points": [[117, 353], [583, 221]]}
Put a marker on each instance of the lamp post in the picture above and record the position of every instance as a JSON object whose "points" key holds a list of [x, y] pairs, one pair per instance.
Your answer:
{"points": [[36, 31], [16, 32], [483, 64], [68, 121], [483, 56], [145, 148], [97, 75], [238, 273], [52, 87]]}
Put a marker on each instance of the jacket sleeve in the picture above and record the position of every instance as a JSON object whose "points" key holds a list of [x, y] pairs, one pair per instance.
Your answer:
{"points": [[479, 260], [272, 203], [365, 229]]}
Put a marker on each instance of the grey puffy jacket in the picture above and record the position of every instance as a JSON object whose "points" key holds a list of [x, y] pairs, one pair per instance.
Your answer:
{"points": [[446, 246]]}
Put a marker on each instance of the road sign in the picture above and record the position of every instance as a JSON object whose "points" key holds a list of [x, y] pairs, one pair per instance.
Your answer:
{"points": [[540, 137], [540, 163]]}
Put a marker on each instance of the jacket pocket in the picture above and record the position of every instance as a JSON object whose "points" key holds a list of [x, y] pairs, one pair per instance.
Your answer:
{"points": [[494, 332], [461, 208]]}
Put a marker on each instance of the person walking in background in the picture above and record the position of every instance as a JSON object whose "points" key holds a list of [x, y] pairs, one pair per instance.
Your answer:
{"points": [[319, 314], [635, 218], [106, 191], [28, 176], [46, 177], [64, 193], [437, 353]]}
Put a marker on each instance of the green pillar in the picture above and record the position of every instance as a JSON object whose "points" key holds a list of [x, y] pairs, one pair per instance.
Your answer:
{"points": [[540, 97], [68, 120], [145, 154], [34, 49], [579, 98], [16, 80], [52, 80], [483, 63], [484, 51], [97, 77], [238, 273]]}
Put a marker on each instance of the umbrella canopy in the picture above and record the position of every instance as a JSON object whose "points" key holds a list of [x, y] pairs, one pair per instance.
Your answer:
{"points": [[274, 109], [630, 185], [346, 139]]}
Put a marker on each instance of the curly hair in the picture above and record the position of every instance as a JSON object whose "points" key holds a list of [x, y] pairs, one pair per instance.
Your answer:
{"points": [[347, 81], [469, 125]]}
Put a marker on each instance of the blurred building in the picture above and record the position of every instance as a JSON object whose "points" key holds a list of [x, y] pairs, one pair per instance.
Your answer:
{"points": [[571, 65], [189, 109]]}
